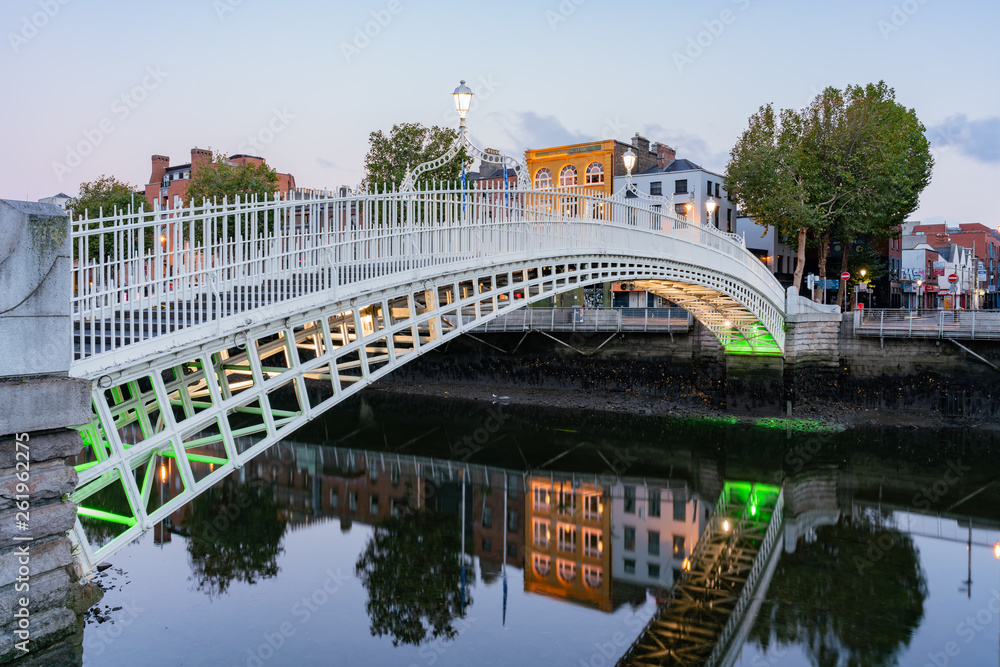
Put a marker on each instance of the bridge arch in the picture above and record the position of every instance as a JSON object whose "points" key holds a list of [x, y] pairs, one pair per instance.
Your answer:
{"points": [[207, 394]]}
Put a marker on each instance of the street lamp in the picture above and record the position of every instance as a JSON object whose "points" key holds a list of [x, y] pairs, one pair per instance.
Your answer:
{"points": [[463, 100], [919, 285], [710, 207], [629, 159], [864, 272]]}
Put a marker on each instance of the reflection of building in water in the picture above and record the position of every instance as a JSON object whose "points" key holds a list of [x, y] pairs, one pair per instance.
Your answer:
{"points": [[497, 517], [655, 529], [566, 530]]}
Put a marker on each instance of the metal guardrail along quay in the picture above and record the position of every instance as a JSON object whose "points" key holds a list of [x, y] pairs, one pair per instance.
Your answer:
{"points": [[941, 324], [664, 320]]}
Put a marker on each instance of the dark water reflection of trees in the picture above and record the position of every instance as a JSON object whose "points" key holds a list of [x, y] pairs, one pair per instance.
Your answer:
{"points": [[851, 598], [235, 535], [412, 572]]}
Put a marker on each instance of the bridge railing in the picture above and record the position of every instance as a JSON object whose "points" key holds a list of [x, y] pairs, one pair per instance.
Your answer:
{"points": [[895, 323], [138, 274]]}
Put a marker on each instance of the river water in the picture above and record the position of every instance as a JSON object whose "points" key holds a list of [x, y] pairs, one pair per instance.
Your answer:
{"points": [[344, 546]]}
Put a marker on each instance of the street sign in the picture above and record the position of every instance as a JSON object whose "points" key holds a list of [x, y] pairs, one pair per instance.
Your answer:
{"points": [[845, 276], [829, 283], [953, 279]]}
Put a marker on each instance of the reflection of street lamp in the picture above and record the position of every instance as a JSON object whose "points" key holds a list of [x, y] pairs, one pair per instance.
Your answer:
{"points": [[919, 285], [710, 207], [864, 272]]}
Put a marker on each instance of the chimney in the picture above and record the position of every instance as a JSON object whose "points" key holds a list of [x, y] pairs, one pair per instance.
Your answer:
{"points": [[664, 155], [199, 156], [160, 164], [486, 169], [640, 143]]}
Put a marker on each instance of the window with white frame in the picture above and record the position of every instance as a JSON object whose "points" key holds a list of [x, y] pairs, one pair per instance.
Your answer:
{"points": [[541, 565], [592, 576], [541, 499], [592, 507], [567, 176], [543, 179], [594, 173], [567, 571], [540, 533], [592, 545], [567, 537]]}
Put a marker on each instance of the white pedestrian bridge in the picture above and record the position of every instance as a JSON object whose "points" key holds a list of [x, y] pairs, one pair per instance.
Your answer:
{"points": [[211, 332]]}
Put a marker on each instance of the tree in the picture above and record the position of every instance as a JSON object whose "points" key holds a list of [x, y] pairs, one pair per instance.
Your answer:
{"points": [[843, 600], [105, 196], [235, 534], [221, 178], [411, 570], [407, 146], [851, 164]]}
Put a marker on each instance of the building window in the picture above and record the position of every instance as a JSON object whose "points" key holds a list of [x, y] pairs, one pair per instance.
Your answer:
{"points": [[541, 565], [487, 517], [680, 507], [729, 220], [629, 566], [394, 476], [592, 576], [353, 501], [512, 521], [487, 544], [592, 507], [567, 537], [656, 188], [592, 545], [629, 538], [373, 475], [681, 187], [629, 499], [709, 191], [654, 502], [567, 571], [654, 543], [717, 190], [373, 504], [567, 176], [334, 498], [541, 499], [543, 179], [680, 210], [595, 173], [678, 545], [512, 550], [567, 502], [654, 570], [540, 533]]}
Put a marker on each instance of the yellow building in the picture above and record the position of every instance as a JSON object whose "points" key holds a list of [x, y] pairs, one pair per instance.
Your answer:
{"points": [[567, 551], [592, 166]]}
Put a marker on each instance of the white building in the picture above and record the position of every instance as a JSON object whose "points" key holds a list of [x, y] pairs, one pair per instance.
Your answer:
{"points": [[653, 529], [59, 200], [925, 272]]}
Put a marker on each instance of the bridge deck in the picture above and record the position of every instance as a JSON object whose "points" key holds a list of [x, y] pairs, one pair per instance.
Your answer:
{"points": [[695, 620]]}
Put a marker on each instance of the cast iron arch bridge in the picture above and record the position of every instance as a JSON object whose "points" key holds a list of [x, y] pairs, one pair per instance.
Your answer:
{"points": [[211, 332]]}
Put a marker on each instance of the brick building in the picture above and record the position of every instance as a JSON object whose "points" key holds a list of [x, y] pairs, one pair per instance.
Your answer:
{"points": [[168, 184]]}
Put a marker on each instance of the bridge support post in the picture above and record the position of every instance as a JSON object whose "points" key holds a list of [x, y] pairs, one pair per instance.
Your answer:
{"points": [[41, 601]]}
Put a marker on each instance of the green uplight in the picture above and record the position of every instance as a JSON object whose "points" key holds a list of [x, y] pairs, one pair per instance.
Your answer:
{"points": [[105, 516]]}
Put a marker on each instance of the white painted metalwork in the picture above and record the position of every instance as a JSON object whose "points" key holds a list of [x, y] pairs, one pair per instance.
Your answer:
{"points": [[669, 320], [895, 323], [208, 325]]}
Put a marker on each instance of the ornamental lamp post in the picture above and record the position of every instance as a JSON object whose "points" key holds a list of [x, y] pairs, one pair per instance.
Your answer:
{"points": [[463, 100], [628, 158], [864, 272], [710, 207], [919, 285]]}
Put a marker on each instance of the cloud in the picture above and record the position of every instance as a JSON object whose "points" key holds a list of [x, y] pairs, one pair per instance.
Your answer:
{"points": [[325, 163], [529, 130], [688, 146], [979, 139]]}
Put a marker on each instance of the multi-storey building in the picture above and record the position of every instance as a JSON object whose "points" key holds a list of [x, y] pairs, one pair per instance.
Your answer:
{"points": [[566, 551], [984, 244], [168, 184], [654, 528]]}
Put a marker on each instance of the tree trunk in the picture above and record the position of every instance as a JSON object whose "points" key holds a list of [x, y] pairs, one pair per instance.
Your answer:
{"points": [[843, 267], [800, 263], [824, 245]]}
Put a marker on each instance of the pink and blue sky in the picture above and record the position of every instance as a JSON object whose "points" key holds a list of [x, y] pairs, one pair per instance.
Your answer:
{"points": [[95, 88]]}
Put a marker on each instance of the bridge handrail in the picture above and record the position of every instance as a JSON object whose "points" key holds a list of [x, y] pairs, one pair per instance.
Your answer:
{"points": [[577, 318], [224, 259], [937, 323], [749, 588]]}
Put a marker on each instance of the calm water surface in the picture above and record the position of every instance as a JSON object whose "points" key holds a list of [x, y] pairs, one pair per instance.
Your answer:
{"points": [[343, 547]]}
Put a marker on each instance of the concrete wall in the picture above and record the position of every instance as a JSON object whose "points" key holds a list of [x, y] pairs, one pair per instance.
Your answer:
{"points": [[41, 599]]}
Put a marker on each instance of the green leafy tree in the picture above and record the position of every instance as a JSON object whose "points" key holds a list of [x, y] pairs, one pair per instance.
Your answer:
{"points": [[105, 195], [843, 601], [851, 164], [411, 570], [405, 147], [235, 535], [221, 178]]}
